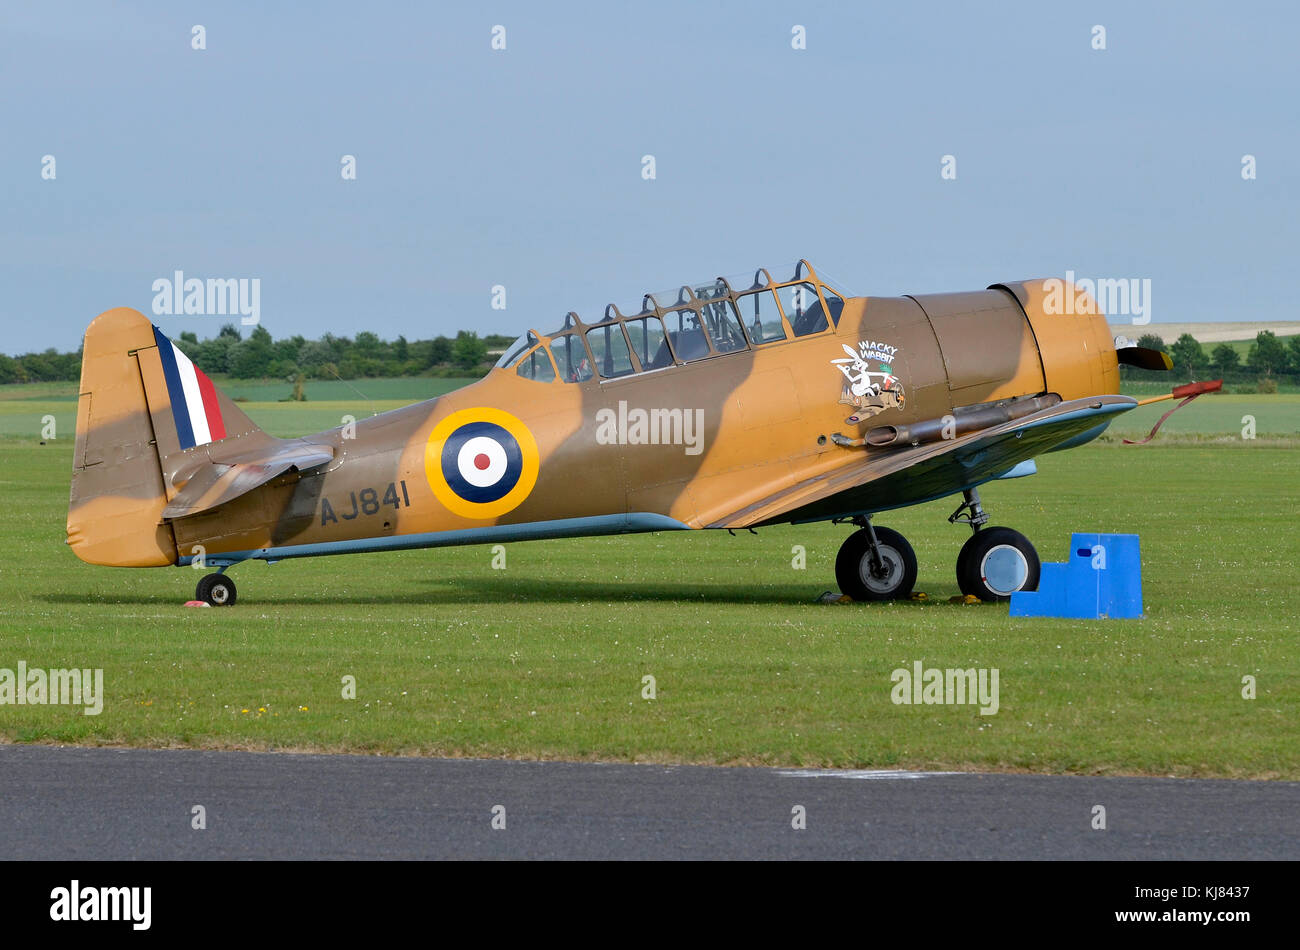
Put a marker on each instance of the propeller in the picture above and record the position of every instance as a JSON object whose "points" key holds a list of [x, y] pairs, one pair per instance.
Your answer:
{"points": [[1144, 358]]}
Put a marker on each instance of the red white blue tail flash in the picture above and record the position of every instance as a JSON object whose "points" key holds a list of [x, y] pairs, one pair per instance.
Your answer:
{"points": [[194, 399]]}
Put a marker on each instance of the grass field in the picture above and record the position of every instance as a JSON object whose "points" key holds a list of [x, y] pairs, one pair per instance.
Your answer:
{"points": [[547, 657], [1242, 346], [24, 408], [1214, 416]]}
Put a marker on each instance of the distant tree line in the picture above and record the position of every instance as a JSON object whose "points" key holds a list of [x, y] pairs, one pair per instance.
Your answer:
{"points": [[259, 356], [1268, 361], [40, 367]]}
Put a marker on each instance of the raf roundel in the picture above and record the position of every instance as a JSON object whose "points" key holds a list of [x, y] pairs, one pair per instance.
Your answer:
{"points": [[481, 463]]}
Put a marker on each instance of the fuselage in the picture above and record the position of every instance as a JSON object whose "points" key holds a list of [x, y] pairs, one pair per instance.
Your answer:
{"points": [[660, 421]]}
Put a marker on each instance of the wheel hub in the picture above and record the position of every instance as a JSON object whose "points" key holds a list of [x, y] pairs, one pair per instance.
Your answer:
{"points": [[888, 576], [1004, 569]]}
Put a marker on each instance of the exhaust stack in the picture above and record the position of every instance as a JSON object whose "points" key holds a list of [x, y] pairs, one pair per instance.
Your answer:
{"points": [[963, 419]]}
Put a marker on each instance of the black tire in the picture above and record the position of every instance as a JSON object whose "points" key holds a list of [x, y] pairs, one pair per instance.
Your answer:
{"points": [[853, 566], [995, 563], [216, 589]]}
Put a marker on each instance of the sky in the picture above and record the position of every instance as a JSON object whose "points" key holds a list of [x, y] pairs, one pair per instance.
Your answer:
{"points": [[524, 167]]}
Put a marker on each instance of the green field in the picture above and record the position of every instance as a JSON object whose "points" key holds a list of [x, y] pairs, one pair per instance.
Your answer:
{"points": [[546, 658], [24, 407], [1241, 346], [1214, 416]]}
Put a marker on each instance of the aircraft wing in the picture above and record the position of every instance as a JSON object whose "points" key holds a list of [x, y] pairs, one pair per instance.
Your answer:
{"points": [[897, 477], [218, 481]]}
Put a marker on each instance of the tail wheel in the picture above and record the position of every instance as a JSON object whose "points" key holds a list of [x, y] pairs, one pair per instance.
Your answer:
{"points": [[892, 578], [217, 589], [995, 563]]}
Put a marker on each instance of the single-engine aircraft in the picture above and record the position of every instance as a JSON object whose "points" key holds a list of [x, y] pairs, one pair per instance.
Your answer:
{"points": [[733, 403]]}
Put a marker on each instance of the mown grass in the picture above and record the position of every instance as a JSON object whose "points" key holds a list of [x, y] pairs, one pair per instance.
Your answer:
{"points": [[1214, 415], [547, 657]]}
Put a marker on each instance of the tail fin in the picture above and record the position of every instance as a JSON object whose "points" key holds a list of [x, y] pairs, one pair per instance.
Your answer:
{"points": [[145, 419]]}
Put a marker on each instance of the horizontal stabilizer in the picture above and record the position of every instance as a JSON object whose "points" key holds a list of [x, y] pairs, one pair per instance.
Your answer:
{"points": [[217, 482]]}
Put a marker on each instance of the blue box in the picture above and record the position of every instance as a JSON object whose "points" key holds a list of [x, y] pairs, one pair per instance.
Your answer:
{"points": [[1102, 579]]}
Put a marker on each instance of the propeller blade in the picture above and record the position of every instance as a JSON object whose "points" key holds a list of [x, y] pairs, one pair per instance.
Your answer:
{"points": [[1144, 358]]}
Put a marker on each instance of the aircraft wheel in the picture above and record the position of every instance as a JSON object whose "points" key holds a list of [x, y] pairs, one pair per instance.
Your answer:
{"points": [[994, 563], [217, 589], [853, 570]]}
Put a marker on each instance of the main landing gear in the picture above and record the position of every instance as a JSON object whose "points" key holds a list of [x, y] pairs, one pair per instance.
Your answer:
{"points": [[216, 589], [878, 563], [875, 563]]}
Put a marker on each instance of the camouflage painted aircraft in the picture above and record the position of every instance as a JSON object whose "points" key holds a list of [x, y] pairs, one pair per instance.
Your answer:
{"points": [[734, 403]]}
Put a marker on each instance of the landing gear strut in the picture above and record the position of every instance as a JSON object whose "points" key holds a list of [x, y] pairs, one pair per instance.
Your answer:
{"points": [[969, 511], [216, 589], [995, 562], [875, 563]]}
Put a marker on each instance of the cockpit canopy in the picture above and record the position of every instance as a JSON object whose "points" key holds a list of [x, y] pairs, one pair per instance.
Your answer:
{"points": [[674, 327]]}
